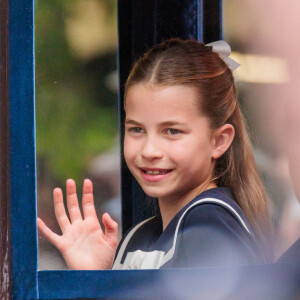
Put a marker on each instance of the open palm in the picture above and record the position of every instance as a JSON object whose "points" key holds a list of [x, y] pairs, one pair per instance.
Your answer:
{"points": [[83, 244]]}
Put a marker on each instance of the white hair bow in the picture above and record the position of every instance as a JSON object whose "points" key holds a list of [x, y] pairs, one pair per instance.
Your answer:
{"points": [[224, 50]]}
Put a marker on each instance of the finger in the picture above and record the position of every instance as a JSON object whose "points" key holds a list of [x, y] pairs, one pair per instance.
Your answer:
{"points": [[88, 199], [59, 209], [111, 229], [52, 237], [72, 201]]}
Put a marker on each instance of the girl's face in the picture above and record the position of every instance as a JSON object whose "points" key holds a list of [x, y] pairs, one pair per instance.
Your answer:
{"points": [[168, 143]]}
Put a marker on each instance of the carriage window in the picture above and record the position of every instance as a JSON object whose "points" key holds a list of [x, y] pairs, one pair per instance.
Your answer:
{"points": [[76, 107]]}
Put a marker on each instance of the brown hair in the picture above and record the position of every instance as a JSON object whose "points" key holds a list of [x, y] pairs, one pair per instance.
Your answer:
{"points": [[191, 63]]}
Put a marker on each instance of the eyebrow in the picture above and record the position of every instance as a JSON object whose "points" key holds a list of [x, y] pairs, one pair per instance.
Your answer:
{"points": [[166, 123], [171, 123], [132, 122]]}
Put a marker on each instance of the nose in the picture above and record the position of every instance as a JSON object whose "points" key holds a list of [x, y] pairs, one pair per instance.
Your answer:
{"points": [[151, 148]]}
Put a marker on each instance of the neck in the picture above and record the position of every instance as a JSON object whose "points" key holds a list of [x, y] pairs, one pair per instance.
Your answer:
{"points": [[170, 206]]}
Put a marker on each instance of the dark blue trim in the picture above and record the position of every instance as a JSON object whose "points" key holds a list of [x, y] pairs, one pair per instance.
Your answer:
{"points": [[22, 150], [221, 18], [200, 20], [252, 282]]}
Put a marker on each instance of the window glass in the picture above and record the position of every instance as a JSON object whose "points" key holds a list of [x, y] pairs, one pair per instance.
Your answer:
{"points": [[76, 107]]}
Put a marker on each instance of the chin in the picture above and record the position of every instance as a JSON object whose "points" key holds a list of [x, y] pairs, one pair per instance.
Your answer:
{"points": [[156, 194], [152, 194]]}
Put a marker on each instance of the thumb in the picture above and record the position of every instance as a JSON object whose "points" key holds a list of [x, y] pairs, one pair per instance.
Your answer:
{"points": [[111, 229], [48, 233]]}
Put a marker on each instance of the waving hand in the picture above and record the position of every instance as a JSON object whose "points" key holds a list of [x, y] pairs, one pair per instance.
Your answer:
{"points": [[83, 244]]}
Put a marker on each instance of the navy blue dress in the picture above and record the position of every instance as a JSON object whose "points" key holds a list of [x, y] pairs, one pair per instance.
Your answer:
{"points": [[211, 230], [292, 255]]}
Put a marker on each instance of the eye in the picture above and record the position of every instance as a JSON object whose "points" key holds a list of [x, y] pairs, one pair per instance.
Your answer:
{"points": [[136, 130], [173, 131]]}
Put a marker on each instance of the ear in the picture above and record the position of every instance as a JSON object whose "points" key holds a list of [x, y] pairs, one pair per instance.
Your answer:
{"points": [[222, 139]]}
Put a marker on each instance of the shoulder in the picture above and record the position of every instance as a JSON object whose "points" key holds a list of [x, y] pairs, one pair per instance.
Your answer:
{"points": [[216, 207], [214, 231], [210, 226], [214, 216], [211, 236]]}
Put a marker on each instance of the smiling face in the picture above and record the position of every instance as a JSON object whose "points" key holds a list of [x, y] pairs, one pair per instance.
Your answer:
{"points": [[168, 143]]}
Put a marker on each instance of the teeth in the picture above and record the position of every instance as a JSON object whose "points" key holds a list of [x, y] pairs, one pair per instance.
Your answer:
{"points": [[155, 172]]}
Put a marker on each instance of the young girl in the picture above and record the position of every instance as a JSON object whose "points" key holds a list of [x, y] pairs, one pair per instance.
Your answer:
{"points": [[186, 144]]}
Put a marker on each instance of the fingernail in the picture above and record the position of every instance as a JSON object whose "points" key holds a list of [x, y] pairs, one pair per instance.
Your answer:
{"points": [[56, 190]]}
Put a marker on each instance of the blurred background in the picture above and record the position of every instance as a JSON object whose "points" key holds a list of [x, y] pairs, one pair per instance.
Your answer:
{"points": [[263, 37], [76, 105]]}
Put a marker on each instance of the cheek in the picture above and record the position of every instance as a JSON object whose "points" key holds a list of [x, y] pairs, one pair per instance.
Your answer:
{"points": [[193, 156], [192, 148]]}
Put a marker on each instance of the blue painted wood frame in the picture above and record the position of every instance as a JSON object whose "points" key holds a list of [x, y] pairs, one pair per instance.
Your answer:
{"points": [[22, 150], [252, 282]]}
